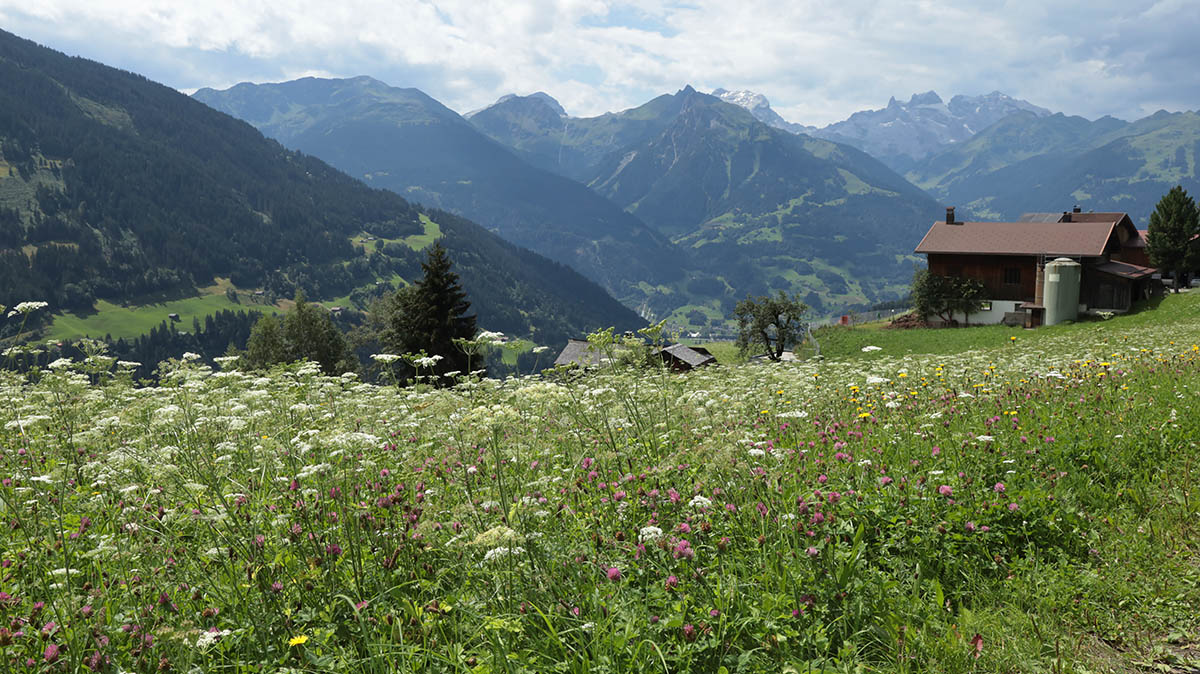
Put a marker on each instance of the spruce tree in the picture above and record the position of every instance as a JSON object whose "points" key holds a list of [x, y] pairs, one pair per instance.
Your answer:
{"points": [[1172, 225], [430, 314]]}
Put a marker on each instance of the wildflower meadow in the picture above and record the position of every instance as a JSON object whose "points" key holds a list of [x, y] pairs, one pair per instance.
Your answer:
{"points": [[1023, 507]]}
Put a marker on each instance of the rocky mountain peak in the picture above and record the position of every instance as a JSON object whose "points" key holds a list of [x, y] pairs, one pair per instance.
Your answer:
{"points": [[927, 98]]}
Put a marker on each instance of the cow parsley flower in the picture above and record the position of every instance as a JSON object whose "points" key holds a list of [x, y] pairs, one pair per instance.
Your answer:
{"points": [[26, 308]]}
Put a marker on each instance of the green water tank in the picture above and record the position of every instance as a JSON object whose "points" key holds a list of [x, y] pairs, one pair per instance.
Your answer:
{"points": [[1061, 294]]}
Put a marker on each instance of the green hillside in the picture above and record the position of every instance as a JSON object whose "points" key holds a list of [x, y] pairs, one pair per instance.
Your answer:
{"points": [[759, 209], [1023, 164], [116, 191], [763, 209], [405, 141]]}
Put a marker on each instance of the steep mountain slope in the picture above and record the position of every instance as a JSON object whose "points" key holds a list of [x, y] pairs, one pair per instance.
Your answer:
{"points": [[113, 187], [1025, 164], [762, 209], [570, 146], [405, 141], [807, 214], [760, 107]]}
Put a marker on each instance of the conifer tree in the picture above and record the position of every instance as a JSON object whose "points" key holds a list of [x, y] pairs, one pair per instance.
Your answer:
{"points": [[1172, 225], [430, 314]]}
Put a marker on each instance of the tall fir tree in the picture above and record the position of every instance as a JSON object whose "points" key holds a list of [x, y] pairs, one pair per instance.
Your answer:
{"points": [[430, 314], [1169, 242]]}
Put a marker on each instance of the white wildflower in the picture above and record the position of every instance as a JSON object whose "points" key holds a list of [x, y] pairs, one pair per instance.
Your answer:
{"points": [[488, 337], [207, 639], [649, 534], [869, 349], [26, 308], [699, 501], [501, 552], [61, 363], [188, 355], [384, 357], [427, 361]]}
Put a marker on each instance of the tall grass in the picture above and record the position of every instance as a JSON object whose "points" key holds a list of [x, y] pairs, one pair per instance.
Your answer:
{"points": [[1023, 508]]}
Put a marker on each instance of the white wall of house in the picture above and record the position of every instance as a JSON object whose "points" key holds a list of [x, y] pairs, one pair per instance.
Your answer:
{"points": [[991, 316]]}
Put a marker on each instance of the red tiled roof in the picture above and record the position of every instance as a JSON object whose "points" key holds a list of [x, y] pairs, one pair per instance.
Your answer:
{"points": [[1020, 238], [1124, 270]]}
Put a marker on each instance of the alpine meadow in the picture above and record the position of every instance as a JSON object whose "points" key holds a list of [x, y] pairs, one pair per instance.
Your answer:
{"points": [[530, 338]]}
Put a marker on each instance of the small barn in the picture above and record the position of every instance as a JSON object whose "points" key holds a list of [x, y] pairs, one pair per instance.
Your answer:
{"points": [[576, 352], [680, 357]]}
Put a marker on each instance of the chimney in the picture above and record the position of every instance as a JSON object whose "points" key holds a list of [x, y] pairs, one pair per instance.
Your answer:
{"points": [[950, 215], [1066, 217], [1076, 209]]}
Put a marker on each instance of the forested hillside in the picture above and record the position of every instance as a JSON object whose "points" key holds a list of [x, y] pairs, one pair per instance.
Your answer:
{"points": [[113, 187], [405, 141]]}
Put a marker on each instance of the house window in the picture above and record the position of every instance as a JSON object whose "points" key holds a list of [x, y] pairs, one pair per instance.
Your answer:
{"points": [[985, 306], [1012, 276]]}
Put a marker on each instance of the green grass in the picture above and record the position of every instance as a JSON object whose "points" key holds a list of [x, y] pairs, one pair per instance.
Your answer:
{"points": [[726, 353], [846, 343], [939, 507], [433, 232], [131, 321]]}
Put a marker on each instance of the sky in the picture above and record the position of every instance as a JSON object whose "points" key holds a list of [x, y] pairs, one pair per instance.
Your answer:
{"points": [[817, 61]]}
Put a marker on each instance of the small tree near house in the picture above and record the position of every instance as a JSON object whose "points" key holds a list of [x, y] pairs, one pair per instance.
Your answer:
{"points": [[944, 296], [770, 324]]}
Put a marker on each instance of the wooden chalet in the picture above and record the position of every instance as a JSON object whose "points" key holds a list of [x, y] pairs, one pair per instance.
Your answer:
{"points": [[1009, 258], [681, 358], [576, 352]]}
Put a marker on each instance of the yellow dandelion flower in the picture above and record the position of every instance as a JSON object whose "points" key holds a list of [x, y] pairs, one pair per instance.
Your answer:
{"points": [[298, 640]]}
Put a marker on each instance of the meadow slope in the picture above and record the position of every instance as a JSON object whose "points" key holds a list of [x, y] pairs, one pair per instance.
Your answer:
{"points": [[1023, 507]]}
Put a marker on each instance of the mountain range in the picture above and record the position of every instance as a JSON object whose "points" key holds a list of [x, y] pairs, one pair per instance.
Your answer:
{"points": [[996, 157], [900, 133], [760, 208], [699, 202], [405, 141], [118, 189]]}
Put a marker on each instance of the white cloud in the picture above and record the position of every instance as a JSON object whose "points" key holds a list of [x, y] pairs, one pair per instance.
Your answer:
{"points": [[817, 61]]}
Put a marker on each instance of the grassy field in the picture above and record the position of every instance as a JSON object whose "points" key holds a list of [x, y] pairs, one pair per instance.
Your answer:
{"points": [[131, 321], [995, 506]]}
